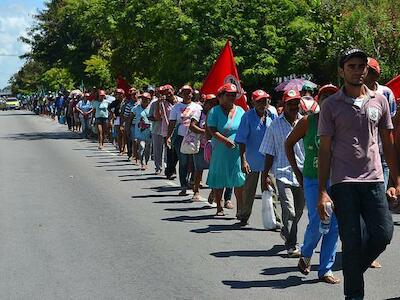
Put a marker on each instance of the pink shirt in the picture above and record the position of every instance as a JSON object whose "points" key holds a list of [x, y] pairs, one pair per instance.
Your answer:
{"points": [[165, 110], [354, 132]]}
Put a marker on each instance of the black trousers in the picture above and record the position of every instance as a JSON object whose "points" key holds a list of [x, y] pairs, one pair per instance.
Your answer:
{"points": [[362, 241]]}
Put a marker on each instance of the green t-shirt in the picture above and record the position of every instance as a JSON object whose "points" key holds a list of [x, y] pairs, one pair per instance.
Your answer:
{"points": [[311, 146], [101, 109]]}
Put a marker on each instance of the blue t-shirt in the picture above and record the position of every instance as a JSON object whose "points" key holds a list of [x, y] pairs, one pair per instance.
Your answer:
{"points": [[142, 123], [84, 106], [251, 133]]}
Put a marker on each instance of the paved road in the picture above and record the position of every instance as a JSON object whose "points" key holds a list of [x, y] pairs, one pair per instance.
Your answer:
{"points": [[78, 223]]}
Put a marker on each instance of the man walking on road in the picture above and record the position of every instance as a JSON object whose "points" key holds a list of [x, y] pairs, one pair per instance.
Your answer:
{"points": [[349, 123], [290, 192]]}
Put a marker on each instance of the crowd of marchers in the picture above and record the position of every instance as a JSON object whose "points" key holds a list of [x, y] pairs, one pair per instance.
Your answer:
{"points": [[331, 149]]}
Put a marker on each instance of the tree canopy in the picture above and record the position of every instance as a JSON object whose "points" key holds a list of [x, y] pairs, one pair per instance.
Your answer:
{"points": [[177, 41]]}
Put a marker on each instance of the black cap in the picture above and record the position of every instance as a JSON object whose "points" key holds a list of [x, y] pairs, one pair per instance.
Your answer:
{"points": [[350, 53]]}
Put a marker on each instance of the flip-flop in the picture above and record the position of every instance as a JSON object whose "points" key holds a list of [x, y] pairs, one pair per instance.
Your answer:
{"points": [[220, 213]]}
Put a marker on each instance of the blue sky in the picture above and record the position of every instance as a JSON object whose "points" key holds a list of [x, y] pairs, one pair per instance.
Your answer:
{"points": [[15, 18]]}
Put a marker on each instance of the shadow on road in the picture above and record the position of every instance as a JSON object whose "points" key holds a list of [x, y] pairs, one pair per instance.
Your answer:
{"points": [[16, 114], [291, 281], [153, 196], [141, 179], [189, 219], [35, 136], [274, 251], [189, 208], [164, 188], [218, 228], [173, 201], [117, 165]]}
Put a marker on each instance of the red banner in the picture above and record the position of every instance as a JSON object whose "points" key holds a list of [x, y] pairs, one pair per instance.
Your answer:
{"points": [[223, 71], [394, 85], [123, 84]]}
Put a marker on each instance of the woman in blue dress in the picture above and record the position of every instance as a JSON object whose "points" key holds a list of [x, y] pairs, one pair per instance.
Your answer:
{"points": [[225, 168]]}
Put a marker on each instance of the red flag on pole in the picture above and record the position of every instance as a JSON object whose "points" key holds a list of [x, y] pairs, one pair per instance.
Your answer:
{"points": [[223, 71], [394, 85], [123, 84]]}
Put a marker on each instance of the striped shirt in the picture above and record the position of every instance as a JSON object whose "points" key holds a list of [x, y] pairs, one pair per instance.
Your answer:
{"points": [[274, 144]]}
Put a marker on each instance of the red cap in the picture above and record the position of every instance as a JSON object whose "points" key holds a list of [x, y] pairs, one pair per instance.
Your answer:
{"points": [[187, 87], [145, 95], [291, 95], [259, 95], [210, 97], [102, 93], [120, 91], [328, 88], [373, 64], [227, 88]]}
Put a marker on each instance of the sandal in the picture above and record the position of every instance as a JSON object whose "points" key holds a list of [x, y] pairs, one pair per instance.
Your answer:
{"points": [[330, 279], [196, 197], [211, 198], [375, 265], [220, 213], [228, 204], [304, 265]]}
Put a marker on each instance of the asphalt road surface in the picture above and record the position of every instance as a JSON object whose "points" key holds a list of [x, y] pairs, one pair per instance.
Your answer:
{"points": [[79, 223]]}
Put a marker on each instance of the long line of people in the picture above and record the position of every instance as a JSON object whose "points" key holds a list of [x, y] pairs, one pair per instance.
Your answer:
{"points": [[239, 147]]}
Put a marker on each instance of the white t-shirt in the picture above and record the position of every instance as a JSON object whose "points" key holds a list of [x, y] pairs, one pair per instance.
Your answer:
{"points": [[272, 109], [182, 114]]}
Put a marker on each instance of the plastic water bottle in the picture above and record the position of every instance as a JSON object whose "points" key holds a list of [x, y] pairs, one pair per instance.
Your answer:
{"points": [[324, 225]]}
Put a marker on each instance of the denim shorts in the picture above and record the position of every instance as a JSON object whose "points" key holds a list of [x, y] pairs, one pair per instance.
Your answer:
{"points": [[101, 121]]}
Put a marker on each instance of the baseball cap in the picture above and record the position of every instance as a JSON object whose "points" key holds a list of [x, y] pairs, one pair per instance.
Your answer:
{"points": [[120, 91], [187, 87], [350, 53], [259, 95], [227, 88], [209, 97], [328, 88], [146, 95], [307, 87], [291, 95], [102, 93], [374, 65]]}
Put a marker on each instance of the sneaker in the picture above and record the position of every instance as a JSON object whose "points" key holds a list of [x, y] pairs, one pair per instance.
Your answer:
{"points": [[294, 253]]}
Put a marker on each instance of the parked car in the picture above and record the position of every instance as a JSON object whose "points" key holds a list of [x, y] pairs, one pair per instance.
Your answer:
{"points": [[3, 104], [13, 103]]}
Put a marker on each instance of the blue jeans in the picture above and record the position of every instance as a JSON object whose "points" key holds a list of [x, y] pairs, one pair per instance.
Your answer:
{"points": [[361, 244], [183, 162], [312, 235]]}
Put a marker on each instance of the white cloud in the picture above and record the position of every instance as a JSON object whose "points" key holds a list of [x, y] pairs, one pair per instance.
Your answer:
{"points": [[15, 19]]}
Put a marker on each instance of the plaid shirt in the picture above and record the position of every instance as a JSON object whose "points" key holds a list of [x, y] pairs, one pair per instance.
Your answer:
{"points": [[274, 144]]}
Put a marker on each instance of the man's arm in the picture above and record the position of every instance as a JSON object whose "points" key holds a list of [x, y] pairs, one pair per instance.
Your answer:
{"points": [[324, 167], [389, 152], [245, 165], [298, 132]]}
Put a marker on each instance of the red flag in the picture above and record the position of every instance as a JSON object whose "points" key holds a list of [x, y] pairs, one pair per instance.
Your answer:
{"points": [[394, 85], [223, 71], [123, 84]]}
